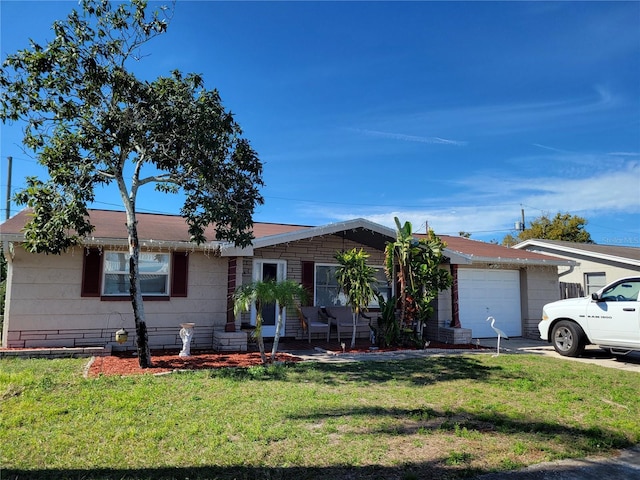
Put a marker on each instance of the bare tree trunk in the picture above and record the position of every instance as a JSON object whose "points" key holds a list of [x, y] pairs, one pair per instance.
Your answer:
{"points": [[260, 341], [355, 315], [276, 337], [142, 337]]}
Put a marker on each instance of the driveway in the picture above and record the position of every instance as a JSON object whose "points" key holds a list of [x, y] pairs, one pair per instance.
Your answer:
{"points": [[592, 353]]}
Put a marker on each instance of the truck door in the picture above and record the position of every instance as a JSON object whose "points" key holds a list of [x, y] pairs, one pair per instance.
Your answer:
{"points": [[615, 317]]}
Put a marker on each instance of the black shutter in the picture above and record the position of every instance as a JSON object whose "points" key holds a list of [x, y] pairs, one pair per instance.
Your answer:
{"points": [[179, 274], [308, 270], [91, 273]]}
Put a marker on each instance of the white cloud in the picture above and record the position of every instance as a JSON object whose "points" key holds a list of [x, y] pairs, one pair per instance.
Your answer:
{"points": [[410, 138], [490, 206]]}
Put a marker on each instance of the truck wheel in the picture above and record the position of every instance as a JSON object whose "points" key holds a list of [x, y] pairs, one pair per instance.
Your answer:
{"points": [[568, 339]]}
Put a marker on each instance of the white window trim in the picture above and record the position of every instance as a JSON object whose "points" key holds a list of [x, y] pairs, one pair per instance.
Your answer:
{"points": [[373, 304], [587, 284], [256, 274], [126, 274]]}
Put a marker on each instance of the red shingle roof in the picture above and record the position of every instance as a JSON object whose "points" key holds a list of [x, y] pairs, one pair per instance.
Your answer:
{"points": [[173, 228], [168, 228]]}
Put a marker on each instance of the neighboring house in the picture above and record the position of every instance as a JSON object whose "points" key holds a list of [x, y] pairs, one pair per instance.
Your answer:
{"points": [[80, 298], [596, 265]]}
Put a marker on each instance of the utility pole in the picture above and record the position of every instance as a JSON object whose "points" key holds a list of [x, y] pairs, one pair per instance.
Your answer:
{"points": [[8, 211], [522, 212]]}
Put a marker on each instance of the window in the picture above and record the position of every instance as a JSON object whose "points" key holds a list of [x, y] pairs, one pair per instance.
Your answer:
{"points": [[105, 274], [327, 289], [594, 282], [622, 292], [328, 293], [154, 273]]}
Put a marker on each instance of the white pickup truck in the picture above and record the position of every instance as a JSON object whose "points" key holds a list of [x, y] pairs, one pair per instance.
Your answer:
{"points": [[609, 318]]}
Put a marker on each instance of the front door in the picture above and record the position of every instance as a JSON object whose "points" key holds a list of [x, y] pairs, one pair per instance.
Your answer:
{"points": [[265, 270]]}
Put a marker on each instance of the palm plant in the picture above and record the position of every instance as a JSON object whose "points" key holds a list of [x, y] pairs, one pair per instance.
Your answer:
{"points": [[286, 293], [418, 271], [356, 279], [260, 294], [399, 252]]}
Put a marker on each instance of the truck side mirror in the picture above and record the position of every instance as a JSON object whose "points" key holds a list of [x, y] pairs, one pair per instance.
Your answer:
{"points": [[596, 297]]}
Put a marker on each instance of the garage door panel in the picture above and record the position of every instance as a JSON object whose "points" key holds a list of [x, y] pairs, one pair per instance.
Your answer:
{"points": [[484, 292]]}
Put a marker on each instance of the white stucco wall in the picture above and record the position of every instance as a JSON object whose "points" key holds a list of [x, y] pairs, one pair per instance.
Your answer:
{"points": [[45, 307], [539, 286], [612, 271]]}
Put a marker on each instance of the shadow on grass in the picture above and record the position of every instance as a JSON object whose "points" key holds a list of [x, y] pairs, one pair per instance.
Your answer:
{"points": [[413, 471], [424, 371], [586, 441]]}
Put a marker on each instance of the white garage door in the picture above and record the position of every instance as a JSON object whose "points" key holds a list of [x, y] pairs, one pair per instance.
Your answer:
{"points": [[485, 292]]}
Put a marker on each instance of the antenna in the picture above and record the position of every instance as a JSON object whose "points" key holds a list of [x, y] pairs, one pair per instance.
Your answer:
{"points": [[519, 226], [8, 208]]}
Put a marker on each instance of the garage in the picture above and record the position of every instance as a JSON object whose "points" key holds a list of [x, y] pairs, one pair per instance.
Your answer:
{"points": [[484, 292]]}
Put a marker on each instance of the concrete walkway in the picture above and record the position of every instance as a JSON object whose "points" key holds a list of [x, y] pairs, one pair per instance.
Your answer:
{"points": [[626, 466], [592, 354]]}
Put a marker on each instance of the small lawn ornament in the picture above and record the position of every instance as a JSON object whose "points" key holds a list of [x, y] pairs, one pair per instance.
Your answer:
{"points": [[122, 336], [499, 332], [186, 334]]}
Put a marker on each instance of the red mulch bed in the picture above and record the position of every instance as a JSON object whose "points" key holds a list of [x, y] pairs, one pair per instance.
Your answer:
{"points": [[126, 363]]}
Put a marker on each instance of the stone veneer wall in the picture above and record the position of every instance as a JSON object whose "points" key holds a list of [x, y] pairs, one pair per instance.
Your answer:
{"points": [[319, 250]]}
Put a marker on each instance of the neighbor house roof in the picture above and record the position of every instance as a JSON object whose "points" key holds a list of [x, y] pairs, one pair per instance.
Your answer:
{"points": [[615, 253], [171, 231], [483, 252]]}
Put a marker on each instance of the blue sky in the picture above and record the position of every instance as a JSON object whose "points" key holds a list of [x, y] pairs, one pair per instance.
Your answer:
{"points": [[459, 114]]}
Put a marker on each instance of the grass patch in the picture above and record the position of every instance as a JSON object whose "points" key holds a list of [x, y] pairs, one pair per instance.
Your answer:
{"points": [[437, 417]]}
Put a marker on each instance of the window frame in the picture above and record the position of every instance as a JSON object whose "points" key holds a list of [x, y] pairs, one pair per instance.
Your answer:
{"points": [[92, 285], [589, 286], [166, 266], [373, 304]]}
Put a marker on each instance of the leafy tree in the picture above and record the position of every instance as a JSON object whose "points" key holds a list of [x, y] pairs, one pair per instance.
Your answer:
{"points": [[417, 266], [356, 279], [258, 294], [286, 293], [262, 293], [428, 278], [388, 331], [398, 254], [563, 226], [91, 123]]}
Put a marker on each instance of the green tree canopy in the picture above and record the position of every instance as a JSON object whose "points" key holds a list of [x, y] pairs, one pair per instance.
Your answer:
{"points": [[91, 122], [416, 264], [563, 226]]}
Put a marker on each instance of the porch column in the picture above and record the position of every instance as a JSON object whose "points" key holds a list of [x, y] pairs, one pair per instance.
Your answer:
{"points": [[230, 326], [455, 311]]}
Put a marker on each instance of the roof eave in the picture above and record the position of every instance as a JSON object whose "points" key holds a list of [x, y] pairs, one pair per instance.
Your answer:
{"points": [[226, 250], [524, 261], [577, 251], [322, 230]]}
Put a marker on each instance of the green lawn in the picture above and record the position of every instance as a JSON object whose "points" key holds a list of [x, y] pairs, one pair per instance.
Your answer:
{"points": [[438, 417]]}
